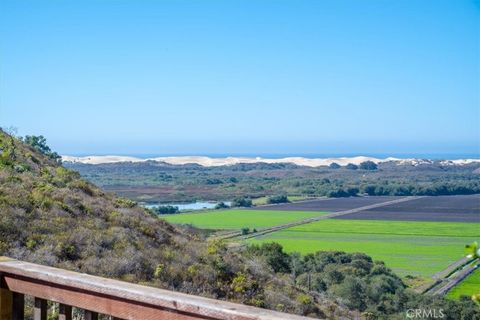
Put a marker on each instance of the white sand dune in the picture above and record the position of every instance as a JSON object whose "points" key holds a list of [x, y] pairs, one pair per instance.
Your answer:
{"points": [[459, 161], [301, 161]]}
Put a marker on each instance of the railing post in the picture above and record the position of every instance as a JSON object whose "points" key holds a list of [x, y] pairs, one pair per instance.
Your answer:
{"points": [[18, 312], [40, 310], [90, 315], [6, 303], [64, 312]]}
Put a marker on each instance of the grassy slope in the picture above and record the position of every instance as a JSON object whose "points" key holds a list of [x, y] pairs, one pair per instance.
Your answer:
{"points": [[468, 287], [416, 248], [237, 218]]}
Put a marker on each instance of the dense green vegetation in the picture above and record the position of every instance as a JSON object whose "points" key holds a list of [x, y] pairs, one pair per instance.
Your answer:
{"points": [[242, 202], [409, 248], [165, 209], [237, 218], [157, 182], [282, 198], [358, 282], [334, 165], [468, 287], [368, 165], [351, 166]]}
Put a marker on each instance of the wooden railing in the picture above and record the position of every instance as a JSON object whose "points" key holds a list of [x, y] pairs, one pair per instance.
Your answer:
{"points": [[96, 295]]}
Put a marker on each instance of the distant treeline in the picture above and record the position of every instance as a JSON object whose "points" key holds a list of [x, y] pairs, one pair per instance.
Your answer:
{"points": [[338, 189], [434, 189], [249, 181], [388, 189]]}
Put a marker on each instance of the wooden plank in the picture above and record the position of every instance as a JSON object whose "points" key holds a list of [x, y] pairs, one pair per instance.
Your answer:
{"points": [[40, 309], [90, 315], [6, 299], [120, 299], [18, 312], [100, 303], [64, 312]]}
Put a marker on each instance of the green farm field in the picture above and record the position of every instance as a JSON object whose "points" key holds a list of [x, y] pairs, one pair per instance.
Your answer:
{"points": [[468, 287], [237, 219], [409, 248]]}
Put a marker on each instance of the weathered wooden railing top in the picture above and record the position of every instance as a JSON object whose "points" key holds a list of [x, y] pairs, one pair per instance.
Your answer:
{"points": [[120, 299]]}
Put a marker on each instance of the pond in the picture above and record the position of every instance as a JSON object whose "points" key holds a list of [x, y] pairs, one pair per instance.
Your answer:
{"points": [[199, 205]]}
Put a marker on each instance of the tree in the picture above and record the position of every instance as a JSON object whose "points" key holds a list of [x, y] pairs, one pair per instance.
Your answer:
{"points": [[39, 143], [368, 165], [277, 199], [334, 165], [370, 190], [241, 202], [334, 276], [353, 192], [214, 181], [351, 166], [296, 265], [166, 209], [338, 193], [273, 253], [221, 205], [352, 289], [245, 231]]}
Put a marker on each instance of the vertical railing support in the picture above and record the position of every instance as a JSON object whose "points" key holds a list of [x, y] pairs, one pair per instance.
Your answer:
{"points": [[90, 315], [64, 312], [40, 309], [6, 299], [18, 312]]}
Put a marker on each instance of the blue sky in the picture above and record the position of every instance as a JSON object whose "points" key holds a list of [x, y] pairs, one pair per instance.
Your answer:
{"points": [[243, 77]]}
